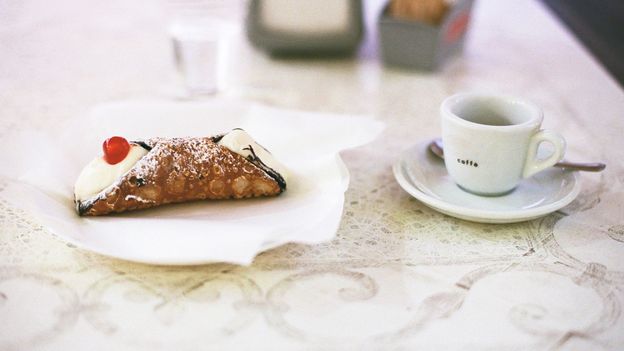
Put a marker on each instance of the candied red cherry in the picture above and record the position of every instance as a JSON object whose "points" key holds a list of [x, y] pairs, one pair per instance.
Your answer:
{"points": [[115, 149]]}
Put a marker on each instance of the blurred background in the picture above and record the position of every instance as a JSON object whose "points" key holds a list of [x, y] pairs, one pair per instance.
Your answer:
{"points": [[416, 35], [600, 27], [342, 38]]}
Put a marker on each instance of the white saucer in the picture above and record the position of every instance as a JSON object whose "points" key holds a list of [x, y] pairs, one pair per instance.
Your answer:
{"points": [[424, 176]]}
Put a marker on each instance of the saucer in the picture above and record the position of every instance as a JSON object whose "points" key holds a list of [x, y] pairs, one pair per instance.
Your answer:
{"points": [[424, 176]]}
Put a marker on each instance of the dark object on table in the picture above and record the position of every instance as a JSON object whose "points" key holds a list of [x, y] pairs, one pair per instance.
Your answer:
{"points": [[305, 28], [420, 45], [598, 25]]}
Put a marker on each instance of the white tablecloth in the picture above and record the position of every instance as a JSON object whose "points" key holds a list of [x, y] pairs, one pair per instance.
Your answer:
{"points": [[399, 275]]}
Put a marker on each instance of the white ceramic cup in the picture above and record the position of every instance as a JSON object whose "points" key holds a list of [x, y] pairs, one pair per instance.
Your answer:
{"points": [[491, 142]]}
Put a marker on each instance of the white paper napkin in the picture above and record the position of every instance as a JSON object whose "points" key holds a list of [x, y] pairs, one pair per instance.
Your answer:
{"points": [[42, 170]]}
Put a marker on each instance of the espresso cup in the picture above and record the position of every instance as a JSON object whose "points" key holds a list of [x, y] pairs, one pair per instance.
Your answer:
{"points": [[491, 142]]}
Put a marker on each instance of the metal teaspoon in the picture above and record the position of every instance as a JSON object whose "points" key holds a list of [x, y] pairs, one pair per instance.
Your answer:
{"points": [[436, 148]]}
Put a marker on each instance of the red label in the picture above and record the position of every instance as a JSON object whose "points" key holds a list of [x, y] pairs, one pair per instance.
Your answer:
{"points": [[457, 28]]}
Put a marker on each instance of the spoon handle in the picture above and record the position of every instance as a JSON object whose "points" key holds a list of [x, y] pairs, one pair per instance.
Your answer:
{"points": [[437, 149], [587, 167]]}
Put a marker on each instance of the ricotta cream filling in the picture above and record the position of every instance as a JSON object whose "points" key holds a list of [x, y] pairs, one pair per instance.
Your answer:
{"points": [[240, 142], [99, 174]]}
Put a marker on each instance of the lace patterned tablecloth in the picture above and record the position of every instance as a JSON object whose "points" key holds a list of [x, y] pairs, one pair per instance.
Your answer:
{"points": [[398, 276]]}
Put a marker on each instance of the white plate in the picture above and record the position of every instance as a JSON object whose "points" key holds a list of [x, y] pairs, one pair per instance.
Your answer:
{"points": [[41, 176], [424, 176]]}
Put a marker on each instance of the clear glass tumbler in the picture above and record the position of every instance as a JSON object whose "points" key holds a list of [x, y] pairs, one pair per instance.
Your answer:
{"points": [[199, 30], [197, 47]]}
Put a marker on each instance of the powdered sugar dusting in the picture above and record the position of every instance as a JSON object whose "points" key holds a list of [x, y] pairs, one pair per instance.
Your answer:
{"points": [[195, 153], [183, 169], [137, 198]]}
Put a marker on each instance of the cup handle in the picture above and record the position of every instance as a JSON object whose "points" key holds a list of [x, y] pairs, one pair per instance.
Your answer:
{"points": [[533, 164]]}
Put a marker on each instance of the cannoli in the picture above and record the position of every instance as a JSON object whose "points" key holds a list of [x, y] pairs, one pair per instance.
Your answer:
{"points": [[142, 174]]}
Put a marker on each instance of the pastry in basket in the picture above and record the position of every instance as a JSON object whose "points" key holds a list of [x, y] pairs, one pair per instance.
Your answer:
{"points": [[142, 174]]}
